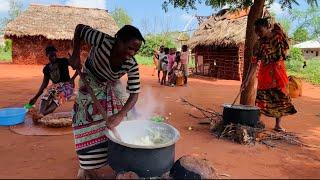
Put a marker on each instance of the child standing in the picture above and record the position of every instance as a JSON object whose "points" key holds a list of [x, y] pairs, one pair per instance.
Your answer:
{"points": [[171, 58], [155, 61], [160, 56], [164, 66], [185, 61], [177, 71]]}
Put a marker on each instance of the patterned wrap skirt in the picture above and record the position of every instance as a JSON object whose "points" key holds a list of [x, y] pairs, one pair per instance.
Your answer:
{"points": [[88, 124], [272, 95], [58, 93]]}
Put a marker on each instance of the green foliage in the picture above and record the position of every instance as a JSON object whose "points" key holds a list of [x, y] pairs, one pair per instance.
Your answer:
{"points": [[6, 51], [295, 54], [7, 45], [295, 60], [285, 23], [154, 42], [143, 60], [14, 11], [294, 65], [158, 118], [311, 73], [309, 18], [192, 62], [121, 17], [191, 4], [300, 34]]}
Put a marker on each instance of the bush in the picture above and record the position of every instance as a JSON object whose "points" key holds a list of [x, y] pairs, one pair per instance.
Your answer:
{"points": [[295, 54], [295, 60]]}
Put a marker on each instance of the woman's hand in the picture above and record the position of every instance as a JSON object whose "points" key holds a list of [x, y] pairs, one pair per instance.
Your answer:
{"points": [[114, 120], [33, 101]]}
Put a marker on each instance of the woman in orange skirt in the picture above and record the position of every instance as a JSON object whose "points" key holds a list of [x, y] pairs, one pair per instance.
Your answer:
{"points": [[271, 51]]}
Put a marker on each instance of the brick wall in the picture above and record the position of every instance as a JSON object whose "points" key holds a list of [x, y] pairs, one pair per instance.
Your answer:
{"points": [[221, 62], [31, 50]]}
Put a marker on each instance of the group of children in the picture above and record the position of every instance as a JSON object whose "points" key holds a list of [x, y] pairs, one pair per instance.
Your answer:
{"points": [[173, 64]]}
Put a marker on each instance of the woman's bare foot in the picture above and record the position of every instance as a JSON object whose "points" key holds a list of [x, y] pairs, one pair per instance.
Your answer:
{"points": [[279, 129]]}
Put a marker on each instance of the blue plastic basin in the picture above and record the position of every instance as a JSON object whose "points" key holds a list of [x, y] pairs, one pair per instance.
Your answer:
{"points": [[12, 116]]}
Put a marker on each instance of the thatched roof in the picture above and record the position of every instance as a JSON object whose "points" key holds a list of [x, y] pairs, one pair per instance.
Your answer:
{"points": [[223, 29], [58, 22]]}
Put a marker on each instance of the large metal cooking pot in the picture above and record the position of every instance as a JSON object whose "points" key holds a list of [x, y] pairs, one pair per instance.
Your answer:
{"points": [[146, 161], [242, 114]]}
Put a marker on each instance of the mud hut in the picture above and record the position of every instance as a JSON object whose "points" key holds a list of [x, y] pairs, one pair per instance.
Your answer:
{"points": [[218, 45], [41, 25]]}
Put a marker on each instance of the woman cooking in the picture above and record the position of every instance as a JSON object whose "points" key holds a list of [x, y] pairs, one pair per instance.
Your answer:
{"points": [[109, 59], [272, 95]]}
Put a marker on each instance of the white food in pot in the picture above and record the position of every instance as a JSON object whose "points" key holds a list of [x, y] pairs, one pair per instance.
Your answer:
{"points": [[153, 138]]}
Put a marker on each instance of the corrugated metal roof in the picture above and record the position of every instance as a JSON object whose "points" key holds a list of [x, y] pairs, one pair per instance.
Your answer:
{"points": [[308, 44]]}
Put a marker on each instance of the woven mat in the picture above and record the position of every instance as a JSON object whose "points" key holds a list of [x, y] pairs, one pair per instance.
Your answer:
{"points": [[29, 129]]}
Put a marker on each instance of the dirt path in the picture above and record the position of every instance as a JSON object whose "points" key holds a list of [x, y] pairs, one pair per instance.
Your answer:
{"points": [[54, 156]]}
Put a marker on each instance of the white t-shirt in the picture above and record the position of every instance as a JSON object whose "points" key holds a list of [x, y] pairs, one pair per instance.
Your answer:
{"points": [[161, 55]]}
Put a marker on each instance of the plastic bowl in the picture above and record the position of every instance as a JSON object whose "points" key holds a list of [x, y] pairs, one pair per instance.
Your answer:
{"points": [[12, 116]]}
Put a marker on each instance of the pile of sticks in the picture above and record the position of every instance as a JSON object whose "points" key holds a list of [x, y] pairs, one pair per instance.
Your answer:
{"points": [[240, 133]]}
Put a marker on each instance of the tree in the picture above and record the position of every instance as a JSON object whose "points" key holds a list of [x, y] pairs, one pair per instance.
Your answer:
{"points": [[248, 95], [15, 9], [300, 34], [309, 18], [285, 23], [121, 17]]}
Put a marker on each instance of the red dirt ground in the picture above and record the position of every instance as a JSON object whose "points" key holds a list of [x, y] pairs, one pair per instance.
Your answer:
{"points": [[54, 156]]}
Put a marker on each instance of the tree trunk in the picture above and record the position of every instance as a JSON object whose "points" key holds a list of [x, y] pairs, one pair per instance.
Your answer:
{"points": [[248, 96]]}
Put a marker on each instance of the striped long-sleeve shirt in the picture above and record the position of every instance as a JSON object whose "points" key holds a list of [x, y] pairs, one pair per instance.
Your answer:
{"points": [[98, 60]]}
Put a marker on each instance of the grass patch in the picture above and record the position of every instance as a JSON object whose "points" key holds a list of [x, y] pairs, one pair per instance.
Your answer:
{"points": [[311, 73], [143, 60]]}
